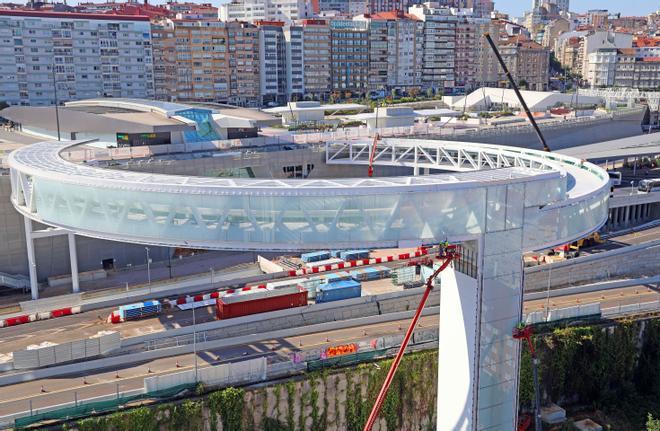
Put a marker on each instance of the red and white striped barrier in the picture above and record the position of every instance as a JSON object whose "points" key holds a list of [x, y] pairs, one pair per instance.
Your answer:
{"points": [[44, 315], [356, 263]]}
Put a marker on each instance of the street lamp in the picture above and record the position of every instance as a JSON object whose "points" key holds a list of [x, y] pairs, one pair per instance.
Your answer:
{"points": [[194, 338], [632, 186], [148, 266]]}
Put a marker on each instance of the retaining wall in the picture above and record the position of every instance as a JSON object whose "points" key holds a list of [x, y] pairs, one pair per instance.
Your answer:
{"points": [[633, 261]]}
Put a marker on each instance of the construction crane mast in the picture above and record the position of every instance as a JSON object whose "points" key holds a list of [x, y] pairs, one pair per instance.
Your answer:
{"points": [[447, 254], [517, 91]]}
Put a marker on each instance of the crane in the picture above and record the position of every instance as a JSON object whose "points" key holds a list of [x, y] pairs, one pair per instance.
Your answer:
{"points": [[525, 332], [517, 91], [447, 253], [370, 172]]}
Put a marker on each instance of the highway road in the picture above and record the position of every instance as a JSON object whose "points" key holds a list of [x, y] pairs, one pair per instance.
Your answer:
{"points": [[63, 390], [608, 299]]}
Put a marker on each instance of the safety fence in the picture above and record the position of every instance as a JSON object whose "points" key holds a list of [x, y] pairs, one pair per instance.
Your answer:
{"points": [[232, 374], [557, 314], [45, 356], [99, 405]]}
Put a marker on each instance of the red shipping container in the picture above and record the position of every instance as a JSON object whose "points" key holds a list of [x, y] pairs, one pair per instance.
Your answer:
{"points": [[275, 300]]}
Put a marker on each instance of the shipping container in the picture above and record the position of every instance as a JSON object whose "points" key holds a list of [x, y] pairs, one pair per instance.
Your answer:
{"points": [[318, 263], [354, 254], [260, 300], [413, 284], [284, 283], [315, 256], [344, 289], [139, 310], [312, 284], [404, 275], [371, 273]]}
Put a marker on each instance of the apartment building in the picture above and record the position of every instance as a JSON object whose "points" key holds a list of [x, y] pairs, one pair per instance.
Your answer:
{"points": [[201, 57], [316, 58], [75, 55], [265, 10], [439, 45], [244, 66], [611, 67], [528, 62], [602, 66], [165, 60], [395, 50], [208, 61], [475, 63], [600, 39], [349, 56], [647, 46], [272, 62], [295, 62]]}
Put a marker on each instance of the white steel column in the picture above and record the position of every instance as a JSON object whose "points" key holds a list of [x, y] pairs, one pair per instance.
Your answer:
{"points": [[73, 257], [456, 352], [32, 261]]}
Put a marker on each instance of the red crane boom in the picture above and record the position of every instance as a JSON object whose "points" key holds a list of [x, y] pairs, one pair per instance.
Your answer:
{"points": [[448, 253]]}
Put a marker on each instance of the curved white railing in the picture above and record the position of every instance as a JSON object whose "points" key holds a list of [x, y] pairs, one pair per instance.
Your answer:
{"points": [[553, 198]]}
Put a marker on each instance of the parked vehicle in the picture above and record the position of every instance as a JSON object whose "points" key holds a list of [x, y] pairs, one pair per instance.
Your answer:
{"points": [[615, 178], [648, 186]]}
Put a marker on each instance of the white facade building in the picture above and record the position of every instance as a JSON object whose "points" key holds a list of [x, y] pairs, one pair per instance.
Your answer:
{"points": [[603, 39], [295, 61], [439, 45], [93, 55], [601, 68], [265, 10]]}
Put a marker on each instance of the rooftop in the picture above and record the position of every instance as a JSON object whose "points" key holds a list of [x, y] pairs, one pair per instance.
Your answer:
{"points": [[94, 120], [72, 15]]}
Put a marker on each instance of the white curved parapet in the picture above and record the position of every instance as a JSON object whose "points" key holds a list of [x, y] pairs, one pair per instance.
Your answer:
{"points": [[562, 198]]}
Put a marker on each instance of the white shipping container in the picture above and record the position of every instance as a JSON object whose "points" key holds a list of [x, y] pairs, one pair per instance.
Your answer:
{"points": [[284, 283]]}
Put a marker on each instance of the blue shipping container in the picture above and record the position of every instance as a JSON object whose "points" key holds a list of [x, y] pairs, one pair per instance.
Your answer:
{"points": [[315, 256], [344, 289], [336, 276], [354, 254], [139, 310]]}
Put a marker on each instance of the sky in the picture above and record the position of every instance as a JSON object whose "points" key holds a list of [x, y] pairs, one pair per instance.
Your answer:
{"points": [[516, 8]]}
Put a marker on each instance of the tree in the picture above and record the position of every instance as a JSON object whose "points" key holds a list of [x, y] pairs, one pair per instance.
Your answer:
{"points": [[652, 424], [429, 93]]}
